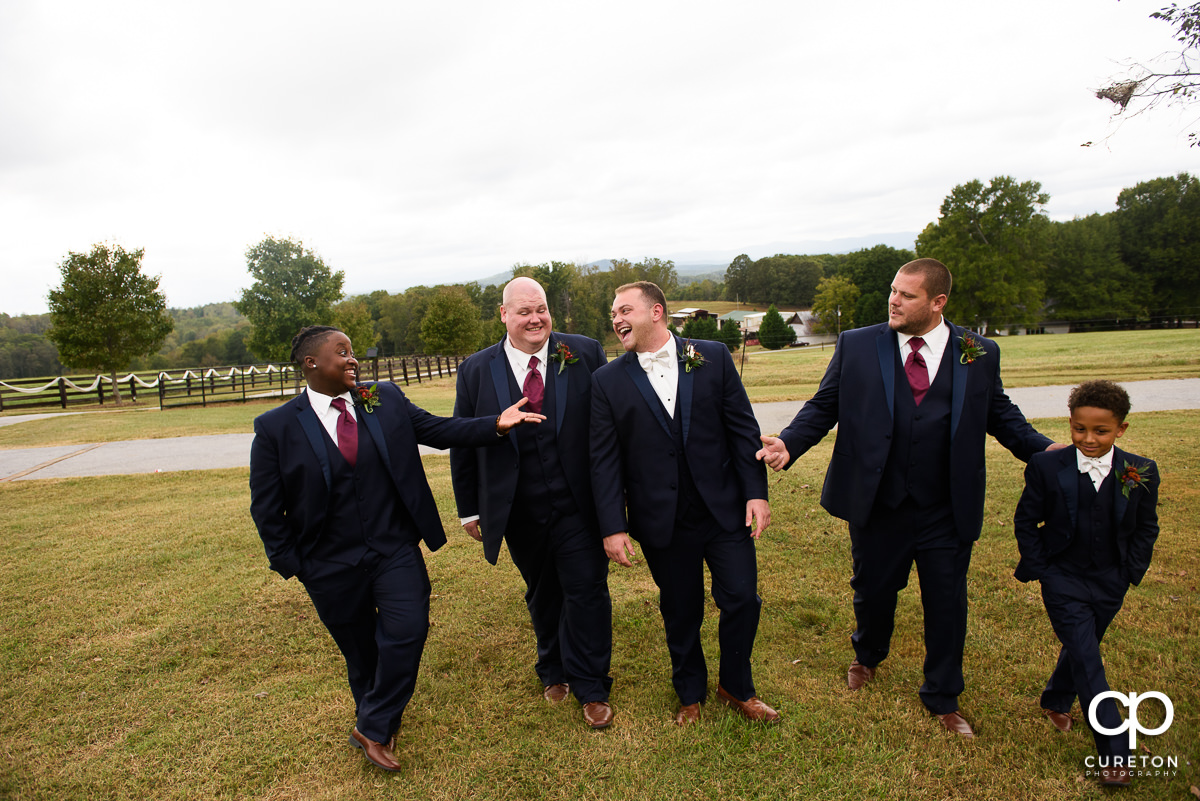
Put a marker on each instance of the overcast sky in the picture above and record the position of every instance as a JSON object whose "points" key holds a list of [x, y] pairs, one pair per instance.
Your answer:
{"points": [[421, 143]]}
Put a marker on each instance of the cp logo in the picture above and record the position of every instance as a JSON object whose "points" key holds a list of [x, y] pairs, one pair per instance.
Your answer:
{"points": [[1131, 724]]}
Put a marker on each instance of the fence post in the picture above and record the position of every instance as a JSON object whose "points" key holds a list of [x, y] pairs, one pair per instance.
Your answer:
{"points": [[62, 391], [391, 376], [404, 368], [203, 399], [417, 360], [132, 388], [162, 385], [100, 390]]}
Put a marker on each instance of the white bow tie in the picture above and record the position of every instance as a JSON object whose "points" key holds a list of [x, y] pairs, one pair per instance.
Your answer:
{"points": [[648, 360], [1094, 467]]}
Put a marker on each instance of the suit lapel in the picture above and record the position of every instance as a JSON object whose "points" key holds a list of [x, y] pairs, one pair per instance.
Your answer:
{"points": [[500, 374], [686, 382], [886, 345], [376, 431], [638, 375], [958, 379], [560, 385], [1120, 502], [1068, 482], [312, 429]]}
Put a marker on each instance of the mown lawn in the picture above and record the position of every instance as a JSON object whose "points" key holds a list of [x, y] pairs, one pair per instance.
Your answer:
{"points": [[147, 652]]}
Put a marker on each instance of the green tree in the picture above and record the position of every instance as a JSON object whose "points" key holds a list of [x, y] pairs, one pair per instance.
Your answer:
{"points": [[700, 328], [451, 325], [872, 271], [107, 312], [292, 288], [731, 334], [353, 317], [1159, 226], [737, 276], [773, 332], [994, 240], [1085, 277], [833, 307]]}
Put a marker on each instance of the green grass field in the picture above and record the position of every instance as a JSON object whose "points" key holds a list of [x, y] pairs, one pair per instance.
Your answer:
{"points": [[146, 651]]}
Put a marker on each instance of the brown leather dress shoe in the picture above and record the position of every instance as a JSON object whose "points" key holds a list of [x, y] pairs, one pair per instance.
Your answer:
{"points": [[956, 723], [858, 675], [597, 714], [687, 714], [377, 754], [1115, 777], [751, 709], [1061, 720], [556, 692]]}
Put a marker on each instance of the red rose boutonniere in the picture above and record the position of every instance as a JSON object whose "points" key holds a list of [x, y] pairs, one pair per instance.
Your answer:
{"points": [[563, 355], [366, 397], [1133, 476], [690, 357], [971, 349]]}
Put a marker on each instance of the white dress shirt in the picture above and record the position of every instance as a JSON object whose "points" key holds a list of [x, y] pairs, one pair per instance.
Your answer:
{"points": [[932, 351], [662, 368], [518, 360], [1097, 468], [326, 413]]}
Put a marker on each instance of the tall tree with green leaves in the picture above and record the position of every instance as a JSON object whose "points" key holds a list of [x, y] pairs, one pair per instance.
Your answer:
{"points": [[737, 277], [292, 288], [1159, 225], [700, 328], [994, 241], [451, 326], [833, 308], [107, 312], [872, 271], [1087, 283], [353, 317], [773, 332]]}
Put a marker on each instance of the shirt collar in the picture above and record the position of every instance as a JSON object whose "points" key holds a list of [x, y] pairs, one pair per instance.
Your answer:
{"points": [[320, 401], [519, 359], [935, 339], [1105, 461]]}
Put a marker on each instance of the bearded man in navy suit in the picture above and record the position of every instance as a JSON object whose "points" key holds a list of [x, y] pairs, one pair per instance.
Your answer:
{"points": [[534, 492], [673, 443], [340, 499], [914, 400]]}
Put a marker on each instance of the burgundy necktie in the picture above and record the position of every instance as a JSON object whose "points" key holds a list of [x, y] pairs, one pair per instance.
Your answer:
{"points": [[534, 389], [347, 431], [916, 370]]}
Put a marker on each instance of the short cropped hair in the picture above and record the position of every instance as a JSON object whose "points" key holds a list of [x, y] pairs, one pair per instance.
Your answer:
{"points": [[1101, 394], [650, 291], [935, 276], [308, 339]]}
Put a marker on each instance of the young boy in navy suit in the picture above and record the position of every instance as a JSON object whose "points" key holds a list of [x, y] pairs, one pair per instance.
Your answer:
{"points": [[1086, 525]]}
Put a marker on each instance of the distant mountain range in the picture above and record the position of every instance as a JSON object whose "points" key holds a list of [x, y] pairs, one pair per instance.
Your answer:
{"points": [[701, 264]]}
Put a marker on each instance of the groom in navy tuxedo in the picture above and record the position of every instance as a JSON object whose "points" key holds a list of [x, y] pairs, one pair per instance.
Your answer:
{"points": [[340, 499], [913, 400], [534, 492], [673, 442]]}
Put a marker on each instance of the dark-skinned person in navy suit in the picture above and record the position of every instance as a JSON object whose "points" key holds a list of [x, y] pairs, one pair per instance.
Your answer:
{"points": [[341, 501]]}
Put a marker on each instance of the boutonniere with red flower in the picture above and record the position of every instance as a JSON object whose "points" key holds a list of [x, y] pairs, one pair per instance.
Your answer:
{"points": [[563, 355], [366, 398], [1133, 476], [690, 357], [971, 349]]}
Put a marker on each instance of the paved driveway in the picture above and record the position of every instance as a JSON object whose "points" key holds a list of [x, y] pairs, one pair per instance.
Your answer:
{"points": [[233, 450]]}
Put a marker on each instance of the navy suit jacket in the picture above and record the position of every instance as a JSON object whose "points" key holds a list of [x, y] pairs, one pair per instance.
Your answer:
{"points": [[485, 479], [290, 472], [858, 395], [1046, 516], [634, 466]]}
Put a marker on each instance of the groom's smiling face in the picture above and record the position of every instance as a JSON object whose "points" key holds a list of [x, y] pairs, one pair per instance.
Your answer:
{"points": [[636, 321]]}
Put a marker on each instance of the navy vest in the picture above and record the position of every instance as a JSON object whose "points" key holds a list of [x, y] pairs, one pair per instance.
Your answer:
{"points": [[365, 511], [542, 487], [1095, 542], [690, 511], [918, 464]]}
